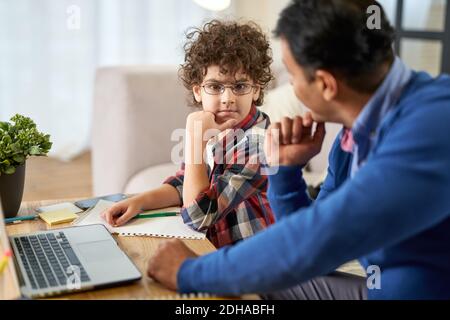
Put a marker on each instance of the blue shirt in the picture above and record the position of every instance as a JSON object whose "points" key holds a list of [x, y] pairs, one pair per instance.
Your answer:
{"points": [[393, 213], [384, 99]]}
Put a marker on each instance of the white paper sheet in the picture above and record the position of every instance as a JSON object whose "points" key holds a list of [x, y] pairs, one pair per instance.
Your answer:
{"points": [[168, 227]]}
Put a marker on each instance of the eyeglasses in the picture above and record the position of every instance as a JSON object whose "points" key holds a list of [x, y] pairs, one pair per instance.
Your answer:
{"points": [[238, 89]]}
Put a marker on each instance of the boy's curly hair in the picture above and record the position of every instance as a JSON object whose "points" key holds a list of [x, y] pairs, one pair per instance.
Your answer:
{"points": [[233, 47]]}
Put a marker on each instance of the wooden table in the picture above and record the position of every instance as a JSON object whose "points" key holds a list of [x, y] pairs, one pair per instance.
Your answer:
{"points": [[139, 249]]}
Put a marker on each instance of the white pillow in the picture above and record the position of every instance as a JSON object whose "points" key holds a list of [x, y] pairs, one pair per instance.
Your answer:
{"points": [[282, 102]]}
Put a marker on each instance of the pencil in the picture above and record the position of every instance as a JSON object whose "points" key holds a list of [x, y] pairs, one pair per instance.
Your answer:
{"points": [[155, 215], [20, 218], [4, 260]]}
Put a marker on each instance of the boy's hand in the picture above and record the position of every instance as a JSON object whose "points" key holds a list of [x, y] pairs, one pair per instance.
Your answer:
{"points": [[208, 121], [163, 266], [290, 142], [122, 212]]}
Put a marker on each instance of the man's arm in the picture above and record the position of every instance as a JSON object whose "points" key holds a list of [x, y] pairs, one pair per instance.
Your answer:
{"points": [[287, 191], [291, 144], [339, 163], [382, 205], [290, 193]]}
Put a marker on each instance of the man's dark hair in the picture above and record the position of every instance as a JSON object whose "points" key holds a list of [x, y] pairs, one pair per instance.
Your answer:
{"points": [[333, 35]]}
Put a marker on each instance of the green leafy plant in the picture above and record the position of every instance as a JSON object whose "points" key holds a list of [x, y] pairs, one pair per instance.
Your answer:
{"points": [[18, 140]]}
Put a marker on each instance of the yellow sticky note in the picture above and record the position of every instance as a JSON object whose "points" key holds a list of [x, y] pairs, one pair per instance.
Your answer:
{"points": [[58, 216]]}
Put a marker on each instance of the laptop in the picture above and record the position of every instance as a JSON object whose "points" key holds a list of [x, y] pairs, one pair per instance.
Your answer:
{"points": [[66, 260]]}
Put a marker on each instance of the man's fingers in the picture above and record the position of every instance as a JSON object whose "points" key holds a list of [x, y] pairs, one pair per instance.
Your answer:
{"points": [[320, 132], [307, 119], [286, 130], [153, 262], [275, 129], [307, 125], [152, 266], [165, 263], [272, 144], [271, 141], [297, 128]]}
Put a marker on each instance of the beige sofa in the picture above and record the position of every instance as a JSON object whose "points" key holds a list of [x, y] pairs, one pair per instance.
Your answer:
{"points": [[137, 108]]}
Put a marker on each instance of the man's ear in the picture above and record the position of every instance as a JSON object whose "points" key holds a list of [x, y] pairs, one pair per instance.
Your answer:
{"points": [[327, 84], [196, 90]]}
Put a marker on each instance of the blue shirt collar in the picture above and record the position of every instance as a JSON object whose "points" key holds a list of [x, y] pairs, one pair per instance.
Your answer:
{"points": [[382, 101]]}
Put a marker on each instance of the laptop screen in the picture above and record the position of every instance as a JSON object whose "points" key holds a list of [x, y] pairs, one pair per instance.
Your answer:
{"points": [[9, 286]]}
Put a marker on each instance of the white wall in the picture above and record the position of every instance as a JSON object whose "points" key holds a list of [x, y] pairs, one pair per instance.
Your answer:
{"points": [[265, 13], [49, 54]]}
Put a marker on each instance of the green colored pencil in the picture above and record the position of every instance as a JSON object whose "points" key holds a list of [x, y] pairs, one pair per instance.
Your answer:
{"points": [[155, 215]]}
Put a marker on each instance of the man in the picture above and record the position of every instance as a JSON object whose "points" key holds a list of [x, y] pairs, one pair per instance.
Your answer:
{"points": [[386, 198]]}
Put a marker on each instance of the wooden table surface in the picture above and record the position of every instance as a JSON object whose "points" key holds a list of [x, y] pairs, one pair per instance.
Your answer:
{"points": [[139, 249]]}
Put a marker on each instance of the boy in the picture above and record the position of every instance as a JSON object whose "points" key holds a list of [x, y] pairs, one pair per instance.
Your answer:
{"points": [[227, 67]]}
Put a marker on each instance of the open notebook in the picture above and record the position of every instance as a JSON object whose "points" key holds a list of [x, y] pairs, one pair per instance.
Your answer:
{"points": [[169, 227]]}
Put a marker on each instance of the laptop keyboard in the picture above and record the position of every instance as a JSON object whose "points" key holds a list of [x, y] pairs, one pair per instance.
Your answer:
{"points": [[47, 258]]}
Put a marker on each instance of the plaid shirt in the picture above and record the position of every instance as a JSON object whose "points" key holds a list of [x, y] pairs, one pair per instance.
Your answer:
{"points": [[235, 205]]}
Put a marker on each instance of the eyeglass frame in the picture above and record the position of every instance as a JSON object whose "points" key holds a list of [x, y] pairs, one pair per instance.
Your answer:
{"points": [[224, 86]]}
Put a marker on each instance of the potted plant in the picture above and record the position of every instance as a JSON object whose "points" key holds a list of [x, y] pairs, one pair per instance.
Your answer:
{"points": [[19, 139]]}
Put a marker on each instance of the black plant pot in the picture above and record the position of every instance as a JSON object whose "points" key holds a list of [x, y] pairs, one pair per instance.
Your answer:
{"points": [[11, 191]]}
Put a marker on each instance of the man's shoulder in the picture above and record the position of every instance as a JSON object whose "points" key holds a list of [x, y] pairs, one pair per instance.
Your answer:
{"points": [[426, 90], [426, 99], [422, 116]]}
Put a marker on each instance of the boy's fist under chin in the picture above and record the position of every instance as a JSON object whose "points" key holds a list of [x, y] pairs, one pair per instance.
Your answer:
{"points": [[205, 120]]}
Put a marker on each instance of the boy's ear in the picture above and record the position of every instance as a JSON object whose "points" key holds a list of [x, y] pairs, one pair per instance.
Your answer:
{"points": [[256, 93], [196, 90]]}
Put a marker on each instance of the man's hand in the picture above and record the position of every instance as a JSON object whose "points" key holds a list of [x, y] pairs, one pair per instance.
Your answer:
{"points": [[167, 260], [290, 142]]}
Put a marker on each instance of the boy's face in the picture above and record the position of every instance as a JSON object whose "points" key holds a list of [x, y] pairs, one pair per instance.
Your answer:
{"points": [[236, 99]]}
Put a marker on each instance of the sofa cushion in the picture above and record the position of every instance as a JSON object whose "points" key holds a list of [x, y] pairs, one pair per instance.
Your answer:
{"points": [[279, 102], [136, 111], [282, 102], [153, 177], [150, 178]]}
